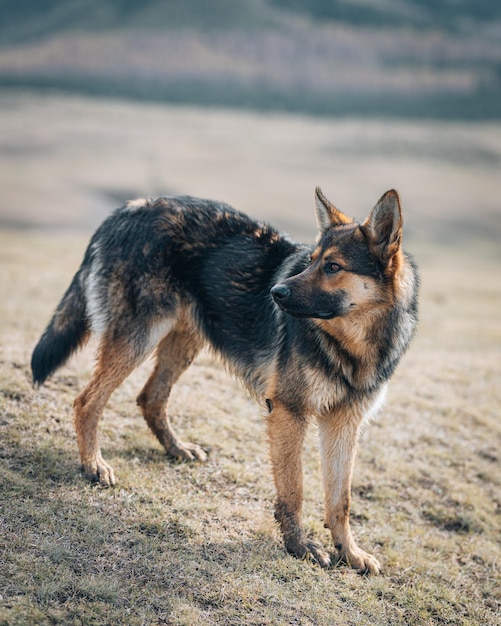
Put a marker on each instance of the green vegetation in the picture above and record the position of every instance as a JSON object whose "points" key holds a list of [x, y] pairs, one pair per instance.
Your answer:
{"points": [[416, 13], [32, 19], [35, 18]]}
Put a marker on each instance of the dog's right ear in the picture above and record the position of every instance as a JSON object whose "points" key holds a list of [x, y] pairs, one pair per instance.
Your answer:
{"points": [[383, 228], [327, 214]]}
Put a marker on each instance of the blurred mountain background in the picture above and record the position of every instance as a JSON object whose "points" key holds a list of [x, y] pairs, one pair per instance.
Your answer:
{"points": [[407, 58], [253, 102]]}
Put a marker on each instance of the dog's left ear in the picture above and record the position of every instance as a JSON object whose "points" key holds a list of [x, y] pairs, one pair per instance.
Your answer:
{"points": [[327, 214], [383, 228]]}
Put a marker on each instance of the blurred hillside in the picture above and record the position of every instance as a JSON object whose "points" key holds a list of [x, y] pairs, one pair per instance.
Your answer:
{"points": [[426, 58]]}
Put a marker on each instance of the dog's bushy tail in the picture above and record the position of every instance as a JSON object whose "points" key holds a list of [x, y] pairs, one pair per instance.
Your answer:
{"points": [[67, 331]]}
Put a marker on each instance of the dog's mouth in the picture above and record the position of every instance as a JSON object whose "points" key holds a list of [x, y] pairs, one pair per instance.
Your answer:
{"points": [[329, 306], [322, 315]]}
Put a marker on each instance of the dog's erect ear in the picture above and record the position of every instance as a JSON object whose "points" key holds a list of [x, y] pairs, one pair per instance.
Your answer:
{"points": [[327, 214], [383, 228]]}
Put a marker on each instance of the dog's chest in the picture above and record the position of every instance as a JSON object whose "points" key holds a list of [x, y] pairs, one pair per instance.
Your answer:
{"points": [[323, 393]]}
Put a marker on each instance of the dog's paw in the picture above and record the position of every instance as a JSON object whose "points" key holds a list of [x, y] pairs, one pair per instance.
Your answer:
{"points": [[98, 471], [308, 549], [187, 452], [362, 561], [318, 553]]}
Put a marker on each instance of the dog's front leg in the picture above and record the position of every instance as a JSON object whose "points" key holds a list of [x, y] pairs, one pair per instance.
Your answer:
{"points": [[286, 434], [338, 443]]}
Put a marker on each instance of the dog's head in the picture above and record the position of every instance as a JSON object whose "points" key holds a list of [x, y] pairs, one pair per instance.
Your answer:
{"points": [[353, 267]]}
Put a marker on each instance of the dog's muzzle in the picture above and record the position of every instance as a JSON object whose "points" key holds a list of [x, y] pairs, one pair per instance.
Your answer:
{"points": [[280, 293]]}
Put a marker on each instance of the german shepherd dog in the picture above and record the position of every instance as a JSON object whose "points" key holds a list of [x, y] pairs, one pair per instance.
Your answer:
{"points": [[312, 331]]}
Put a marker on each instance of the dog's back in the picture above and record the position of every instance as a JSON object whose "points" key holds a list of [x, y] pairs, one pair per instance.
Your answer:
{"points": [[152, 259]]}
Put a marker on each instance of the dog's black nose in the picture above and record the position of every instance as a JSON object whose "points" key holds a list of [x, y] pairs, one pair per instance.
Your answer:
{"points": [[280, 293]]}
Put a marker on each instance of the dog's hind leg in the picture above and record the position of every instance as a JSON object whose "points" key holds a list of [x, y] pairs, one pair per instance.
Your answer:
{"points": [[116, 360], [174, 354]]}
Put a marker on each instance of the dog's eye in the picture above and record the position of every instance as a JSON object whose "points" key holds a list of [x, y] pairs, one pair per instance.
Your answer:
{"points": [[332, 268]]}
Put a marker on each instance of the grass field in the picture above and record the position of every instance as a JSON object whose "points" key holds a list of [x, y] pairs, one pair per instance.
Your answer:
{"points": [[196, 544], [181, 544]]}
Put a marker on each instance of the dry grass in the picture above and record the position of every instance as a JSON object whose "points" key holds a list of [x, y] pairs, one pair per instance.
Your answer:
{"points": [[184, 544], [196, 544]]}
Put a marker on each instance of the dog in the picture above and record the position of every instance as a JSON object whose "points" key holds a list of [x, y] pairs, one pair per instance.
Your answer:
{"points": [[312, 331]]}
